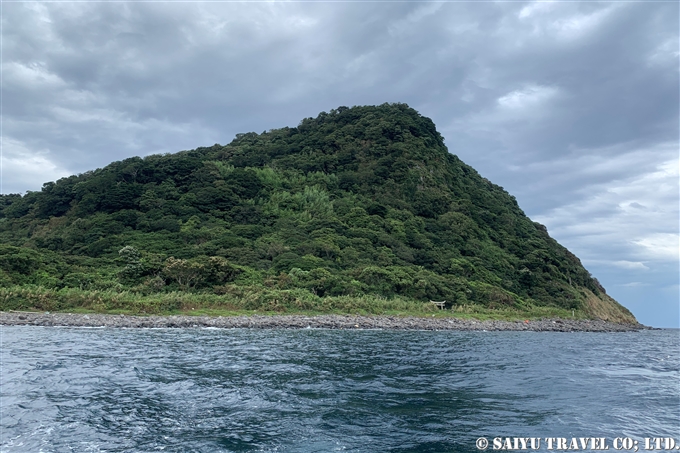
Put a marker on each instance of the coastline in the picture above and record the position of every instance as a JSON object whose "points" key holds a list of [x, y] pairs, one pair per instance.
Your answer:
{"points": [[330, 321]]}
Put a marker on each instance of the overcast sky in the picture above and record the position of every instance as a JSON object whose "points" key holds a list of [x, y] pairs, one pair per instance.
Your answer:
{"points": [[570, 106]]}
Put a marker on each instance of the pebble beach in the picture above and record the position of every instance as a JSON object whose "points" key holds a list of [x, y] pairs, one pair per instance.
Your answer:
{"points": [[330, 321]]}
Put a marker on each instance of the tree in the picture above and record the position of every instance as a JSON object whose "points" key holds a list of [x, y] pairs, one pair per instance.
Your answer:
{"points": [[187, 273], [133, 262]]}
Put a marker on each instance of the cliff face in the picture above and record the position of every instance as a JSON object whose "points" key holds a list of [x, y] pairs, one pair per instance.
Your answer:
{"points": [[362, 200]]}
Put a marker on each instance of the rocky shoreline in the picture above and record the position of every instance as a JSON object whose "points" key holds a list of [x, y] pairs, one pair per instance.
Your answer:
{"points": [[314, 322]]}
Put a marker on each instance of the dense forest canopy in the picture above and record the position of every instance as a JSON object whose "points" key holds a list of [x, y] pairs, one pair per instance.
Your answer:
{"points": [[357, 201]]}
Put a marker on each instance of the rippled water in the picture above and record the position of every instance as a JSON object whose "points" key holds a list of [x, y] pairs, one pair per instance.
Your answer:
{"points": [[74, 389]]}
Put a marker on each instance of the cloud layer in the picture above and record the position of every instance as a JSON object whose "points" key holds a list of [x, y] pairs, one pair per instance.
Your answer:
{"points": [[572, 107]]}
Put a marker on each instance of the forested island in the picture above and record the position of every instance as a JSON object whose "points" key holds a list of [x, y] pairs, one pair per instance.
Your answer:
{"points": [[360, 210]]}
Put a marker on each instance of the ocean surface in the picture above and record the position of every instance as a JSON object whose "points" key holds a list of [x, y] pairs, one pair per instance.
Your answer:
{"points": [[210, 390]]}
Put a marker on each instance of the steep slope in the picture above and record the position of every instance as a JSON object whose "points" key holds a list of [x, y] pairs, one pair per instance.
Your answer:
{"points": [[358, 201]]}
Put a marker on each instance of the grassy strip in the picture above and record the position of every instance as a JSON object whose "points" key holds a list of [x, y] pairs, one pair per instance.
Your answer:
{"points": [[251, 300]]}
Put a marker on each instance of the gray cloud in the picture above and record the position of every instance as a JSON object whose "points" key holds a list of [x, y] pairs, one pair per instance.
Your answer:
{"points": [[572, 107]]}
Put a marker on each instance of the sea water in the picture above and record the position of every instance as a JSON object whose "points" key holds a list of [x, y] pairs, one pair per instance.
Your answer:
{"points": [[239, 390]]}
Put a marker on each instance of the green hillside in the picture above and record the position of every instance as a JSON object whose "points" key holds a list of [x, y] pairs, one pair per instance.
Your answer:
{"points": [[361, 208]]}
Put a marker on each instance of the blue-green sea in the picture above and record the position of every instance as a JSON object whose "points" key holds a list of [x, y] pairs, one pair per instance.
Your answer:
{"points": [[239, 390]]}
